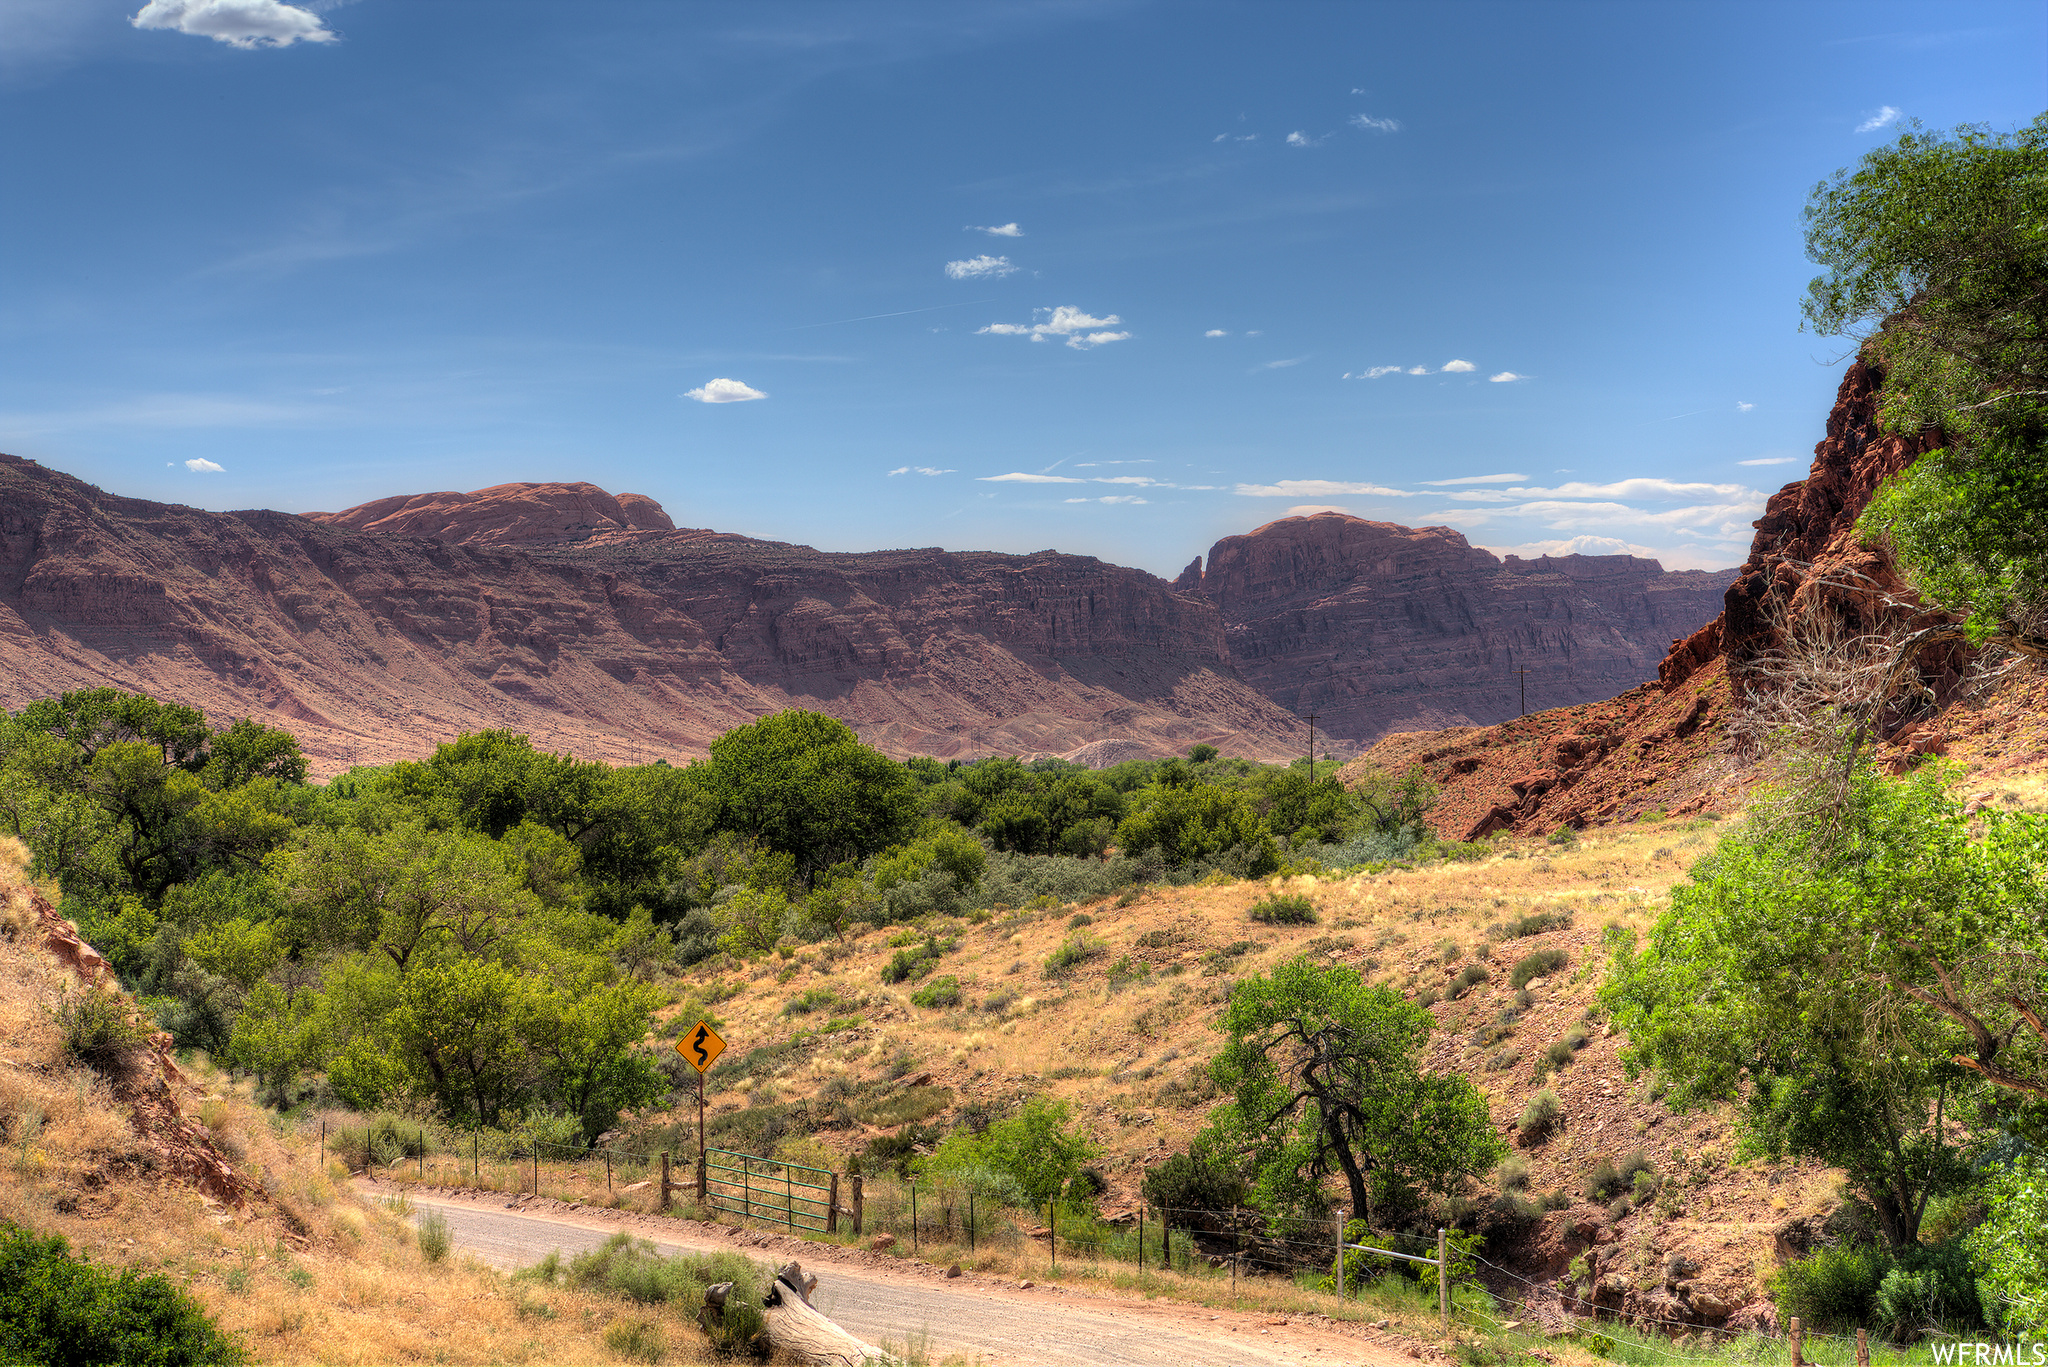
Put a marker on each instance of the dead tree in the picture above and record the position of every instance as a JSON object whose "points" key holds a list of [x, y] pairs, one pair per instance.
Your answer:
{"points": [[797, 1330]]}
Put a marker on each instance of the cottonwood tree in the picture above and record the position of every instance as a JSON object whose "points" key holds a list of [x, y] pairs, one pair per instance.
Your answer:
{"points": [[1324, 1078]]}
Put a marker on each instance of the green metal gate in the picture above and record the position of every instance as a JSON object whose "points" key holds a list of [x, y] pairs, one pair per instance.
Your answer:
{"points": [[756, 1188]]}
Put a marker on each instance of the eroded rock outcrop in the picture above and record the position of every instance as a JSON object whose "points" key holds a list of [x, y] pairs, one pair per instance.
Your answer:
{"points": [[1377, 627], [506, 514]]}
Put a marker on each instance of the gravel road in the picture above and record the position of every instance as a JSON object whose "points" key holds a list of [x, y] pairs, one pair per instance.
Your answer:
{"points": [[990, 1322]]}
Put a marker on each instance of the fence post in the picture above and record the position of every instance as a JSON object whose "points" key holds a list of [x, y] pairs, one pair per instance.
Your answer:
{"points": [[856, 1206], [664, 1179], [970, 1222], [832, 1207], [1236, 1253], [1340, 1253], [703, 1176], [913, 1219], [423, 1154], [1792, 1332], [476, 1160], [1141, 1242], [536, 1167], [323, 1146], [1165, 1241], [607, 1172], [1443, 1277], [1862, 1347], [1052, 1220]]}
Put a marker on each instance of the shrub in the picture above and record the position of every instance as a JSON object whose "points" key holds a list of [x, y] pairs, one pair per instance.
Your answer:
{"points": [[1932, 1288], [1603, 1182], [634, 1269], [906, 1107], [435, 1236], [1563, 835], [58, 1308], [1535, 923], [1077, 948], [1513, 1174], [816, 999], [1635, 1165], [1620, 1208], [1541, 964], [1831, 1288], [98, 1031], [1541, 1115], [939, 992], [1468, 977], [1284, 911], [1126, 971], [636, 1340], [1079, 919]]}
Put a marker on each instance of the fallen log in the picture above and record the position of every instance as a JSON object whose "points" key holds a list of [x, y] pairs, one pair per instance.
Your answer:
{"points": [[797, 1330]]}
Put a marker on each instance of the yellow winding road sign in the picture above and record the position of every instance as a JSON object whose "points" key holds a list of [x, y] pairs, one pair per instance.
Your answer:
{"points": [[701, 1047]]}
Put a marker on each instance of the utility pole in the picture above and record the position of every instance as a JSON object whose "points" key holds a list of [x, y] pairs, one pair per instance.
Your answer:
{"points": [[1524, 676], [1311, 749]]}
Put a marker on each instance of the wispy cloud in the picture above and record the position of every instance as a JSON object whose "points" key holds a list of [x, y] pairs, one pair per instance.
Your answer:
{"points": [[1318, 488], [1299, 139], [1111, 498], [1278, 365], [1418, 370], [203, 467], [999, 230], [1215, 332], [1373, 125], [1021, 477], [1459, 367], [1380, 370], [1885, 114], [1506, 377], [1065, 322], [1474, 479], [238, 23], [1742, 407], [980, 267], [919, 470], [1769, 460], [724, 391]]}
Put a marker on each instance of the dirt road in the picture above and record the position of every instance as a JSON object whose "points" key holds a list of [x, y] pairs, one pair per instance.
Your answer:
{"points": [[989, 1320]]}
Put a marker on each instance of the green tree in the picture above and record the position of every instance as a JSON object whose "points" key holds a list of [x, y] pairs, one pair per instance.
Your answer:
{"points": [[406, 889], [1933, 249], [1194, 821], [802, 784], [1324, 1078], [1793, 973], [59, 1310], [2010, 1249], [1040, 1148]]}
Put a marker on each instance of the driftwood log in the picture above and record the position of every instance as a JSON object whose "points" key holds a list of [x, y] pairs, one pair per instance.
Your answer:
{"points": [[797, 1330]]}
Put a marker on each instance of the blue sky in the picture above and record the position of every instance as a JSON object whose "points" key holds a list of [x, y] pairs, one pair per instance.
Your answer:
{"points": [[1115, 278]]}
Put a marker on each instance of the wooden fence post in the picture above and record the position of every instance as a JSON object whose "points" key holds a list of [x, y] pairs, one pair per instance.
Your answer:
{"points": [[857, 1205], [1792, 1332], [832, 1207], [536, 1167], [703, 1176], [1340, 1253], [1862, 1347], [664, 1179]]}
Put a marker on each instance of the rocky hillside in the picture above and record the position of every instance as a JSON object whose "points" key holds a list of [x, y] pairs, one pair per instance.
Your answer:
{"points": [[506, 514], [1666, 746], [1379, 628], [632, 643]]}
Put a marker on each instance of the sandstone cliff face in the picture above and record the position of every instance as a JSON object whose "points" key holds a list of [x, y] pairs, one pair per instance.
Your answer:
{"points": [[1665, 746], [506, 514], [629, 644], [1377, 627]]}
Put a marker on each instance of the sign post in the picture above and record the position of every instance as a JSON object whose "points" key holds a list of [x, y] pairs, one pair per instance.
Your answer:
{"points": [[700, 1048]]}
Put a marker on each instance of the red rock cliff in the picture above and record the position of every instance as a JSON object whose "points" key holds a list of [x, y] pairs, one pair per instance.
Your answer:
{"points": [[1377, 627]]}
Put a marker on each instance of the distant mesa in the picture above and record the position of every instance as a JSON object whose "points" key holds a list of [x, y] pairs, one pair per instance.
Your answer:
{"points": [[506, 514]]}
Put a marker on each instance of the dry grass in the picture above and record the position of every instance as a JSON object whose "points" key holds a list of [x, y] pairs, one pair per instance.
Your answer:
{"points": [[353, 1288]]}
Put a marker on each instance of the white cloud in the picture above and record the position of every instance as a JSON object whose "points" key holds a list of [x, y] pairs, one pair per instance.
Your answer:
{"points": [[203, 467], [1373, 125], [1130, 479], [920, 470], [238, 23], [1019, 477], [724, 391], [999, 230], [1311, 509], [1418, 370], [1506, 377], [1884, 115], [1769, 460], [1111, 498], [980, 267], [1065, 321], [1474, 479], [1215, 332], [1459, 367], [1299, 139], [1278, 365], [1380, 370], [1313, 488]]}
